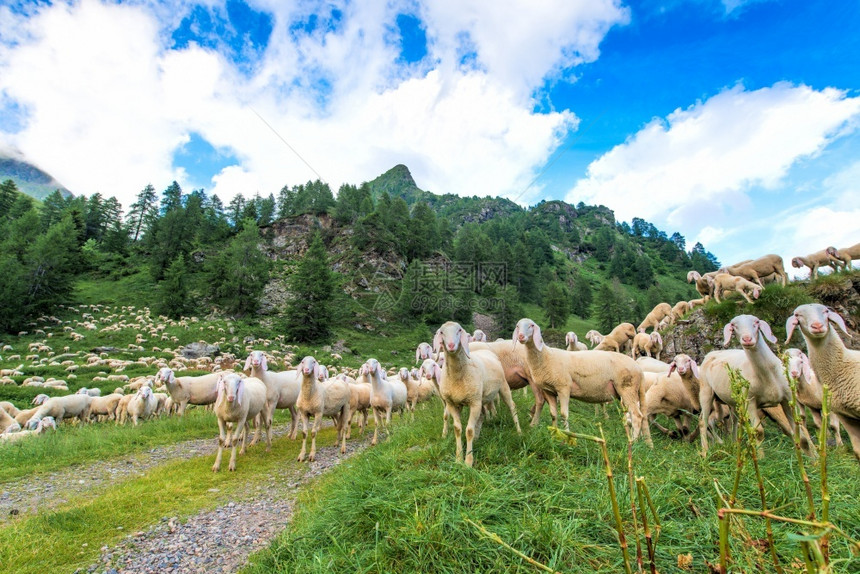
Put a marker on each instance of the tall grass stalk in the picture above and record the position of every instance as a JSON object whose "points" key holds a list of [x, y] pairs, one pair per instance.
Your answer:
{"points": [[498, 540], [649, 542], [798, 421]]}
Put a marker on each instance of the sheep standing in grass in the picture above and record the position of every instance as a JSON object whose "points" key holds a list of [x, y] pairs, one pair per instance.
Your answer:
{"points": [[619, 339], [768, 386], [359, 403], [676, 394], [765, 267], [833, 364], [141, 405], [60, 408], [680, 309], [329, 398], [724, 282], [657, 314], [573, 343], [386, 395], [814, 261], [417, 390], [513, 359], [189, 390], [105, 406], [237, 402], [704, 283], [589, 376], [647, 343], [431, 372], [424, 351], [469, 378], [809, 389], [40, 427], [282, 390], [843, 257]]}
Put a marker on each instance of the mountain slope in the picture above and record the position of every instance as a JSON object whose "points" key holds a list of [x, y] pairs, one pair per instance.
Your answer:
{"points": [[30, 179]]}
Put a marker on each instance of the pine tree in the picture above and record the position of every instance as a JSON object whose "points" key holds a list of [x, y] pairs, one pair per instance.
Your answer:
{"points": [[238, 274], [556, 304], [171, 198], [8, 194], [308, 316], [173, 291], [142, 212]]}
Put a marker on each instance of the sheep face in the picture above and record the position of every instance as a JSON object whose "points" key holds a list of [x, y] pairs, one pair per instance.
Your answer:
{"points": [[684, 364], [404, 374], [798, 365], [165, 375], [424, 351], [230, 387], [430, 370], [814, 321], [256, 360], [747, 329], [570, 338], [450, 337], [526, 330], [479, 335]]}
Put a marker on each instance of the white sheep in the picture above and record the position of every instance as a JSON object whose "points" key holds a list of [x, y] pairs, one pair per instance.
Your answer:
{"points": [[648, 344], [469, 378], [573, 343], [814, 261], [9, 408], [809, 389], [60, 408], [704, 283], [619, 339], [141, 405], [649, 365], [843, 257], [697, 303], [418, 390], [283, 389], [330, 398], [96, 392], [8, 422], [424, 351], [724, 282], [105, 406], [201, 390], [238, 401], [834, 364], [594, 338], [765, 267], [40, 427], [657, 314], [589, 376], [479, 336], [768, 386], [676, 394], [386, 394], [359, 403], [681, 308], [431, 371], [513, 359]]}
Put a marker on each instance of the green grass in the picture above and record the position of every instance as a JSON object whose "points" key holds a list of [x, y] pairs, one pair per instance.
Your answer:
{"points": [[71, 536], [402, 506]]}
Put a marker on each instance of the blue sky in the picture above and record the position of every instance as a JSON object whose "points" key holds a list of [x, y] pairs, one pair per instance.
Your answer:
{"points": [[734, 122]]}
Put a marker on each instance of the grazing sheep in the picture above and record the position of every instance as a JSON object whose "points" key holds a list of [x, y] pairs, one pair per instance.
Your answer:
{"points": [[681, 308], [8, 423], [660, 311], [60, 408], [648, 344], [472, 378], [843, 257], [9, 408], [238, 401], [141, 405], [91, 392], [359, 403], [39, 399], [282, 390], [814, 261], [768, 386], [513, 359], [676, 394], [417, 390], [704, 283], [424, 351], [386, 395], [330, 398], [649, 365], [809, 389], [40, 427], [594, 337], [697, 303], [833, 364], [759, 269], [105, 406], [431, 371], [619, 339], [724, 282], [573, 343], [201, 390], [589, 376], [479, 336]]}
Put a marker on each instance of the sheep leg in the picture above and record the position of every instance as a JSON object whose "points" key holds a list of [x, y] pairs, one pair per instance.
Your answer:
{"points": [[377, 422], [852, 427], [362, 422], [445, 416], [454, 412], [244, 435], [475, 414], [553, 409], [294, 423], [509, 400], [537, 408], [314, 430], [301, 456], [564, 406], [345, 420], [787, 427], [706, 399], [221, 437]]}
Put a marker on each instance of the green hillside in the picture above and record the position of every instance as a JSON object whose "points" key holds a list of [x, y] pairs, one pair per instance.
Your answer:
{"points": [[30, 179]]}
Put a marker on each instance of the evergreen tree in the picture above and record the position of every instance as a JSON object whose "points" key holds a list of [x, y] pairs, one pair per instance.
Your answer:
{"points": [[423, 237], [508, 309], [171, 198], [8, 194], [308, 316], [238, 273], [556, 304], [703, 261], [611, 306], [581, 296], [285, 202], [51, 264], [235, 209], [173, 291], [142, 212], [266, 211], [52, 210]]}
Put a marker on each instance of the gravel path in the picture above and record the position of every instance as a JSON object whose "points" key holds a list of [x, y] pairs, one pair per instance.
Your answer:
{"points": [[53, 489], [218, 540]]}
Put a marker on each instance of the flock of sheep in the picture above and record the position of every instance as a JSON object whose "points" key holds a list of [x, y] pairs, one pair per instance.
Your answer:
{"points": [[464, 369]]}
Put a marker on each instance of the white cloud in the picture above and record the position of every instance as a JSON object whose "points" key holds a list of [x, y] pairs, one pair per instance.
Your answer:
{"points": [[814, 229], [704, 159], [109, 102]]}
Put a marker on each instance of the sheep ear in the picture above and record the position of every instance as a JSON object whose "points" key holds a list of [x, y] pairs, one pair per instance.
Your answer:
{"points": [[806, 368], [695, 368], [516, 334], [727, 334], [248, 363], [240, 391], [538, 338], [437, 341], [790, 324], [316, 371], [659, 339], [837, 320], [263, 364], [464, 341], [567, 338], [764, 328], [221, 389], [672, 367], [437, 373], [417, 354]]}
